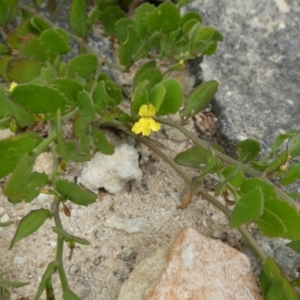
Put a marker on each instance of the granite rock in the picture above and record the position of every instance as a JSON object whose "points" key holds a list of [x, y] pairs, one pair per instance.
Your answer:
{"points": [[193, 267], [257, 66]]}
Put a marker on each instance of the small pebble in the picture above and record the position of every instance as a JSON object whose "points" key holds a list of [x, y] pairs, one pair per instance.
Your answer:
{"points": [[5, 218]]}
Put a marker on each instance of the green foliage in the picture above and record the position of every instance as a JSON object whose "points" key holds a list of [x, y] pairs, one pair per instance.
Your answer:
{"points": [[274, 283], [54, 89], [30, 224]]}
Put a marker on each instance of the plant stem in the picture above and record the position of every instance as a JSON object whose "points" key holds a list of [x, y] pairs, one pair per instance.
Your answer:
{"points": [[59, 247], [261, 256], [59, 7], [44, 144], [229, 160]]}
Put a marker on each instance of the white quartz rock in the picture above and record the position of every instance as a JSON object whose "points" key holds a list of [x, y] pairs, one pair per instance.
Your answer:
{"points": [[111, 172]]}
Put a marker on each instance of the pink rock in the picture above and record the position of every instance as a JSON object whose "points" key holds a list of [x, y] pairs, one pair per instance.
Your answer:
{"points": [[194, 267]]}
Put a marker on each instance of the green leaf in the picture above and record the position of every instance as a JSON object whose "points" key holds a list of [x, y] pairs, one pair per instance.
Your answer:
{"points": [[30, 224], [248, 150], [46, 276], [252, 183], [200, 38], [75, 193], [22, 70], [35, 182], [199, 98], [274, 282], [39, 23], [101, 142], [83, 65], [85, 105], [184, 2], [8, 11], [106, 94], [16, 187], [193, 157], [39, 99], [62, 69], [121, 30], [78, 18], [295, 245], [286, 214], [4, 59], [157, 95], [164, 18], [212, 165], [279, 140], [291, 175], [148, 71], [248, 208], [73, 154], [67, 236], [140, 97], [294, 145], [173, 98], [234, 176], [56, 41], [70, 88], [12, 284], [81, 131], [109, 18], [276, 165], [61, 146], [191, 16], [140, 16], [129, 48], [48, 73], [13, 148], [3, 49], [70, 295], [34, 49]]}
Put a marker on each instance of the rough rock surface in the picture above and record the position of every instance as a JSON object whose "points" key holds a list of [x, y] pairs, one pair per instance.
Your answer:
{"points": [[257, 66], [193, 267], [111, 172]]}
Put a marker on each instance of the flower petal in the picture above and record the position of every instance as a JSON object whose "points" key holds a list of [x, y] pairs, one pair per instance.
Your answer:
{"points": [[137, 127], [147, 110], [154, 125], [143, 110]]}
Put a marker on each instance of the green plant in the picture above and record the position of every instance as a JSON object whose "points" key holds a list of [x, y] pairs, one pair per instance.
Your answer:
{"points": [[42, 86]]}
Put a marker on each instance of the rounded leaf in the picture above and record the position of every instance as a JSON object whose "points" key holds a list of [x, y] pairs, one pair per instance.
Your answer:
{"points": [[165, 17], [39, 99], [173, 98]]}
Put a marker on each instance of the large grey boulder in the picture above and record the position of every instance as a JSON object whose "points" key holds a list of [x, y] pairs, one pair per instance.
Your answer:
{"points": [[257, 66]]}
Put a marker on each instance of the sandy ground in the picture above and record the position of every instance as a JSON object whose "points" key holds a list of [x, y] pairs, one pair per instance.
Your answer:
{"points": [[98, 271]]}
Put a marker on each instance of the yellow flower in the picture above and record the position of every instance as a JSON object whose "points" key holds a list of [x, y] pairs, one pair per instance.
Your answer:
{"points": [[12, 86], [146, 123]]}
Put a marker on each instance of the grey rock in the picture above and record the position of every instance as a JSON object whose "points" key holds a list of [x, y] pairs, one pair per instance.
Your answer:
{"points": [[257, 66]]}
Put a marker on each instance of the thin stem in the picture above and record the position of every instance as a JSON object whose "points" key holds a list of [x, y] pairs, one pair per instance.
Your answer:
{"points": [[59, 7], [261, 256], [229, 160], [44, 144], [59, 247]]}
